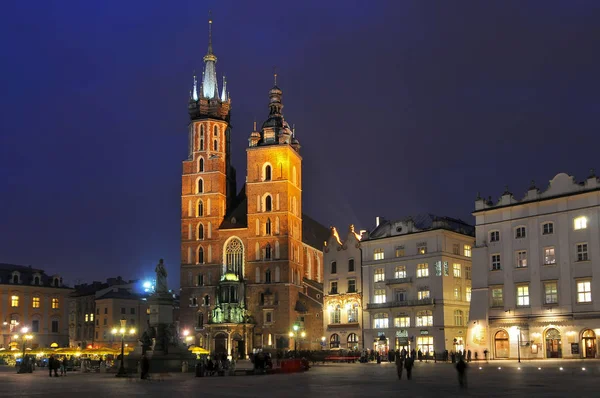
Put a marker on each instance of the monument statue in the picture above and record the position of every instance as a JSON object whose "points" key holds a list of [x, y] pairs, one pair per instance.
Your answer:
{"points": [[161, 278]]}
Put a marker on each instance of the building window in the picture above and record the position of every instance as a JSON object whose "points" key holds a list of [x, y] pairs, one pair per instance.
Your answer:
{"points": [[521, 258], [399, 295], [36, 302], [549, 256], [200, 208], [497, 297], [378, 254], [201, 164], [425, 344], [200, 186], [580, 223], [333, 288], [456, 270], [582, 252], [423, 294], [468, 293], [402, 322], [422, 248], [200, 231], [35, 326], [54, 303], [268, 203], [422, 270], [496, 262], [353, 341], [200, 280], [379, 296], [54, 326], [548, 228], [467, 250], [353, 313], [551, 292], [334, 341], [379, 275], [467, 272], [381, 321], [268, 317], [520, 233], [400, 272], [334, 267], [446, 269], [457, 293], [458, 318], [268, 227], [268, 276], [268, 252], [523, 296], [351, 285], [424, 318], [336, 314], [456, 249], [200, 256], [584, 292], [14, 301], [351, 265], [400, 251], [495, 236], [92, 317], [206, 300], [267, 176], [87, 318], [105, 310]]}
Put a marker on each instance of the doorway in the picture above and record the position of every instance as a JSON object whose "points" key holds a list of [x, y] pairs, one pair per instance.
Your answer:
{"points": [[501, 344], [589, 344], [220, 344], [553, 344]]}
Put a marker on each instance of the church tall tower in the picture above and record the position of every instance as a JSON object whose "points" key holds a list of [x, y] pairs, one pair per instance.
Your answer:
{"points": [[274, 194], [208, 180]]}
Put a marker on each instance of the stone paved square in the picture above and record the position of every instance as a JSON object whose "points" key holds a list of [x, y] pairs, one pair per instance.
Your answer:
{"points": [[330, 380]]}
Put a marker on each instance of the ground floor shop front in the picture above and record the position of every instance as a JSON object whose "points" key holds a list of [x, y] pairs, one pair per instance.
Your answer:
{"points": [[510, 339], [425, 339]]}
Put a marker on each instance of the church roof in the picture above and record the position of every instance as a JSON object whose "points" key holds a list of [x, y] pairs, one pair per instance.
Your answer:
{"points": [[314, 233], [238, 216]]}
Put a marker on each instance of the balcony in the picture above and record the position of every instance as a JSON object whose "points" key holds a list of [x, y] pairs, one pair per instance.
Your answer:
{"points": [[398, 281], [407, 303]]}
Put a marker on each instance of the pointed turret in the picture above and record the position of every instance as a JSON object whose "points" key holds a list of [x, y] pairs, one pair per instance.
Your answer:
{"points": [[224, 92], [209, 82], [195, 89]]}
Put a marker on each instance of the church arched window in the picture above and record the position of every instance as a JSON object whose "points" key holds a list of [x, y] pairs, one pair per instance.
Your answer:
{"points": [[216, 131], [200, 231], [200, 209], [268, 276], [234, 256], [268, 252], [201, 164], [200, 185], [267, 171], [200, 256], [268, 203], [268, 227], [215, 145]]}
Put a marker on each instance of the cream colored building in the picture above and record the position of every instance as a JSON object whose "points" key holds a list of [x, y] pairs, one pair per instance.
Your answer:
{"points": [[342, 287], [417, 284], [536, 276]]}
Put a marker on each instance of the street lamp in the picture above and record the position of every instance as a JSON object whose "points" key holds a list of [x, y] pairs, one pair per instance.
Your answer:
{"points": [[122, 331], [188, 338], [322, 342], [519, 344], [25, 336]]}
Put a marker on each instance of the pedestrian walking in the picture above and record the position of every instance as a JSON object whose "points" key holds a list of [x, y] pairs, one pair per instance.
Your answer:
{"points": [[145, 367], [399, 364], [469, 356], [63, 370], [55, 366], [461, 368], [408, 365]]}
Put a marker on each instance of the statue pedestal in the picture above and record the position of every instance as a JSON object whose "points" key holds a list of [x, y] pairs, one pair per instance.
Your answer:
{"points": [[161, 309]]}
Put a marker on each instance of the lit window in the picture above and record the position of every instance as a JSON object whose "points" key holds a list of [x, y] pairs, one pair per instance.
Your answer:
{"points": [[580, 223], [457, 293], [422, 248], [523, 296], [379, 297], [36, 302], [87, 318], [456, 270], [379, 275], [520, 233], [92, 317], [378, 254], [551, 292], [549, 256], [353, 313], [381, 321], [425, 344], [468, 294], [402, 322], [424, 318], [336, 314], [496, 262], [438, 268], [548, 228], [521, 258], [400, 251], [422, 270], [446, 269], [423, 294], [582, 252], [14, 301], [458, 318], [400, 272], [497, 297], [467, 250], [495, 236], [584, 292]]}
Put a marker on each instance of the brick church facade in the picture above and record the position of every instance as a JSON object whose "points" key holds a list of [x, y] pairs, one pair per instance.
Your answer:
{"points": [[251, 268]]}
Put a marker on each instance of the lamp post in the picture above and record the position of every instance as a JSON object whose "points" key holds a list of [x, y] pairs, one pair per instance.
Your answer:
{"points": [[25, 337], [122, 331], [519, 344]]}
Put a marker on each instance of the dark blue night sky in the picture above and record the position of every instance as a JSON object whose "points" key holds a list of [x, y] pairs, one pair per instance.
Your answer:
{"points": [[401, 107]]}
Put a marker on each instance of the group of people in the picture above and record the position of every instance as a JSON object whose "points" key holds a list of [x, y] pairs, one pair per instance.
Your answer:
{"points": [[55, 364], [404, 360]]}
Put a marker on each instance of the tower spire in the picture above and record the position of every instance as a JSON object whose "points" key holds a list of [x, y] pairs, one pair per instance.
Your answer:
{"points": [[210, 50], [194, 94], [210, 88]]}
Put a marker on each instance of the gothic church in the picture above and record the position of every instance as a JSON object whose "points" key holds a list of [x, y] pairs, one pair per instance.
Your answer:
{"points": [[251, 268]]}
